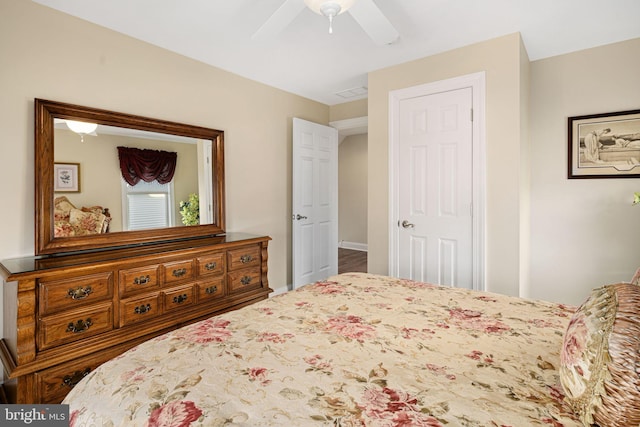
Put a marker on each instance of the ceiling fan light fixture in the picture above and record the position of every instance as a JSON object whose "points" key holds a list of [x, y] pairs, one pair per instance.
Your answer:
{"points": [[318, 5], [82, 128], [329, 8]]}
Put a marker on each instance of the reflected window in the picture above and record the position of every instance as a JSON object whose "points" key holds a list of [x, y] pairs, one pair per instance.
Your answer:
{"points": [[147, 205]]}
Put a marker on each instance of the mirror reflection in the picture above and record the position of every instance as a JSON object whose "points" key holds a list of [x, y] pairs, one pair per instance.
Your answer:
{"points": [[106, 179], [92, 196]]}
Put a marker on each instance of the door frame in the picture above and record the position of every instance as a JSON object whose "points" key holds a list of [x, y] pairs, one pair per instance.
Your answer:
{"points": [[476, 82]]}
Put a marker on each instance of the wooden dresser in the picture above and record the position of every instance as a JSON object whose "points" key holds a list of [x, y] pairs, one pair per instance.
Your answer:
{"points": [[66, 314]]}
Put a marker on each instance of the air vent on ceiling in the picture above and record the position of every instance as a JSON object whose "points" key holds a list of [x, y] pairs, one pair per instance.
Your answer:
{"points": [[356, 92]]}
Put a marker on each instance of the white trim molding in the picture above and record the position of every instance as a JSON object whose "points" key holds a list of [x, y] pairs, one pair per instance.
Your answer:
{"points": [[348, 127], [353, 245]]}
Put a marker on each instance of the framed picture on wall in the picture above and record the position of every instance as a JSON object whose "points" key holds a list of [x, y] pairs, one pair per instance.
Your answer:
{"points": [[66, 177], [605, 145]]}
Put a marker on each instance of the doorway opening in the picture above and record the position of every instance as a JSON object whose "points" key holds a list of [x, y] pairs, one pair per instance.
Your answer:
{"points": [[352, 194]]}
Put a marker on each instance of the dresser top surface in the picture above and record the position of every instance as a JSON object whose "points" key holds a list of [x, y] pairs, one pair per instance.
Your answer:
{"points": [[25, 266]]}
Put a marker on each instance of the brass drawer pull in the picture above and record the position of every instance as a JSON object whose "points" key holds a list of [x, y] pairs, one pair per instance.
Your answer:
{"points": [[179, 272], [72, 380], [142, 280], [246, 258], [79, 326], [180, 299], [211, 290], [210, 266], [142, 309], [79, 292], [245, 280]]}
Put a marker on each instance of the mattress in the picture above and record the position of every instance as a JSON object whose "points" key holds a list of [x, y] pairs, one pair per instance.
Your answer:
{"points": [[354, 350]]}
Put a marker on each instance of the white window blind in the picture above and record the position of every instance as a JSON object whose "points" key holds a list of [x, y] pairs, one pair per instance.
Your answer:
{"points": [[147, 205], [147, 211]]}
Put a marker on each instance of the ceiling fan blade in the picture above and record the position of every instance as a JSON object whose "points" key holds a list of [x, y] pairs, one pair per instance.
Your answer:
{"points": [[373, 22], [280, 18]]}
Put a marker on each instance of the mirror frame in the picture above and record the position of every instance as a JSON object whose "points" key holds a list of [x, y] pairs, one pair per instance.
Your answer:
{"points": [[45, 242]]}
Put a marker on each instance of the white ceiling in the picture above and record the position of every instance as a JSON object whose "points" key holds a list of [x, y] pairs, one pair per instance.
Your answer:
{"points": [[304, 59]]}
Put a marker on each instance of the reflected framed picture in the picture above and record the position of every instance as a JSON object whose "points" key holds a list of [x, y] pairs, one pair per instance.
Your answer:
{"points": [[605, 145], [66, 177]]}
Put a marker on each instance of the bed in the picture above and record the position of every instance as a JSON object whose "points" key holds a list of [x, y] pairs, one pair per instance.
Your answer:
{"points": [[355, 350]]}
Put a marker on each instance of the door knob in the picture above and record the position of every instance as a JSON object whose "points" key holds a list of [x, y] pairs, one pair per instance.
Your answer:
{"points": [[406, 224], [299, 217]]}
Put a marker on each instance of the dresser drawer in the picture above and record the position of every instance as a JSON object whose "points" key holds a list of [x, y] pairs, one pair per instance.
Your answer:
{"points": [[175, 299], [177, 272], [138, 280], [210, 265], [134, 310], [244, 280], [64, 294], [210, 290], [55, 383], [72, 326], [248, 256]]}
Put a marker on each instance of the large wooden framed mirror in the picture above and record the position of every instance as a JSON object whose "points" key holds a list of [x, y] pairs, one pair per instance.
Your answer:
{"points": [[83, 202]]}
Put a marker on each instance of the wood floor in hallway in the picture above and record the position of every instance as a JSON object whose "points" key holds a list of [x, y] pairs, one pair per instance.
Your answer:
{"points": [[350, 261]]}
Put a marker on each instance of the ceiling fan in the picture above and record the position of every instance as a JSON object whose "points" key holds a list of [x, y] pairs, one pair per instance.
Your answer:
{"points": [[365, 12]]}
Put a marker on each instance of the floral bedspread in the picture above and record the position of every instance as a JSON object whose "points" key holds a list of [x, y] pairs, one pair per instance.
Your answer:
{"points": [[355, 350]]}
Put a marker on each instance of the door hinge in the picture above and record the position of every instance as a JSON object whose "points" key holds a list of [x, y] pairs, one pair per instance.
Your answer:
{"points": [[471, 114]]}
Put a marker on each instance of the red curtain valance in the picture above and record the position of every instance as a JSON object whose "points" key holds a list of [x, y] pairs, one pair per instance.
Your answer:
{"points": [[147, 165]]}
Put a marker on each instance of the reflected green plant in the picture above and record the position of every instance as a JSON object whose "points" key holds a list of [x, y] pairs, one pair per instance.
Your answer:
{"points": [[190, 210]]}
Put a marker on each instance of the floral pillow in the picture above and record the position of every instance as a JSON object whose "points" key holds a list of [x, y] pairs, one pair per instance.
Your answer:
{"points": [[100, 210], [62, 208], [86, 222], [63, 229], [600, 358]]}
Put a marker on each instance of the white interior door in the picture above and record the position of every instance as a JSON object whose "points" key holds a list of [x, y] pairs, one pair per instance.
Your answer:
{"points": [[315, 202], [437, 184]]}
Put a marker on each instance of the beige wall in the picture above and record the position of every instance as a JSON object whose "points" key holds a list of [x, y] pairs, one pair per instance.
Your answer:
{"points": [[548, 237], [349, 110], [352, 189], [500, 59], [584, 232], [50, 55]]}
